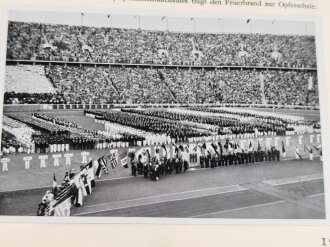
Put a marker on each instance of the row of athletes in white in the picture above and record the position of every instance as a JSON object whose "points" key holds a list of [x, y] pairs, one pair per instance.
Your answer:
{"points": [[43, 158], [313, 139], [246, 136]]}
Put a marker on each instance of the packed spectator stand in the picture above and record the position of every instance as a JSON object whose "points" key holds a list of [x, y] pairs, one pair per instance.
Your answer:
{"points": [[36, 41]]}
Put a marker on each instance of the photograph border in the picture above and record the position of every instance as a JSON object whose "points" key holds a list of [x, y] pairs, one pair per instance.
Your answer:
{"points": [[187, 13]]}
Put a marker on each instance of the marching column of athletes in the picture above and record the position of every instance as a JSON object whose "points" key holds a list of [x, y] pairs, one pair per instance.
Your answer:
{"points": [[210, 157]]}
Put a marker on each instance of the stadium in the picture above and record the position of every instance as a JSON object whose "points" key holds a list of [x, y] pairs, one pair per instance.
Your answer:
{"points": [[140, 116]]}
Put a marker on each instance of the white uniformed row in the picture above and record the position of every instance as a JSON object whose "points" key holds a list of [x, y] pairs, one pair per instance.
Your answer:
{"points": [[262, 113]]}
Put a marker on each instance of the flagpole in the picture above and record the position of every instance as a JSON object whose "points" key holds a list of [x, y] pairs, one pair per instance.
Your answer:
{"points": [[194, 25], [110, 19]]}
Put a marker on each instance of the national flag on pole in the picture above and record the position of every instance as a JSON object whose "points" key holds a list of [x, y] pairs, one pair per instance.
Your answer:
{"points": [[238, 147], [226, 146], [90, 171], [54, 185], [195, 148], [221, 151], [317, 147], [87, 184], [78, 194], [124, 162], [296, 151], [309, 149], [102, 166], [64, 208], [164, 150], [259, 146], [112, 159], [215, 148], [283, 147]]}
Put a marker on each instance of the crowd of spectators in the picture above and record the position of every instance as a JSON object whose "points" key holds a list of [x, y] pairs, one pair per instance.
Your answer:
{"points": [[104, 85], [34, 41], [145, 85]]}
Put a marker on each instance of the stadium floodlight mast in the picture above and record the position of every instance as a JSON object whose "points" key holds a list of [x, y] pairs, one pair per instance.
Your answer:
{"points": [[163, 18], [277, 28], [137, 16], [82, 18], [250, 24], [110, 20], [194, 23]]}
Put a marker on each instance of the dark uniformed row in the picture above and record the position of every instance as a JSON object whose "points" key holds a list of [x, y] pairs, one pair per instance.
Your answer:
{"points": [[240, 158], [154, 169]]}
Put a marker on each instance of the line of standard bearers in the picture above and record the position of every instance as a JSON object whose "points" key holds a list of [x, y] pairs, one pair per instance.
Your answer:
{"points": [[162, 166]]}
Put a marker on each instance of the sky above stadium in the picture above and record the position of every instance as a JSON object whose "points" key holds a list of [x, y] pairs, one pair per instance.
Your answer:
{"points": [[177, 24]]}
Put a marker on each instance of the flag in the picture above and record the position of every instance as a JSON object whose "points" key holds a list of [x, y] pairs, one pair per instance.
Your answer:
{"points": [[112, 159], [215, 148], [195, 148], [165, 150], [91, 173], [81, 184], [102, 166], [283, 148], [296, 151], [221, 151], [226, 146], [87, 184], [78, 194], [248, 21], [310, 150], [259, 146], [54, 185], [238, 147], [63, 209], [124, 162]]}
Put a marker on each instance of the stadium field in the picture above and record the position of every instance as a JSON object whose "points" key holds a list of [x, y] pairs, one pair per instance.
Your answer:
{"points": [[288, 189]]}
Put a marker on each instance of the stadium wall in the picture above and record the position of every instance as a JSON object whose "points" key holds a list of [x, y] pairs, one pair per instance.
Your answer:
{"points": [[44, 107]]}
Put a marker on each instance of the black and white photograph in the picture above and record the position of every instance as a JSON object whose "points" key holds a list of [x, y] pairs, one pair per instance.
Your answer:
{"points": [[138, 116]]}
